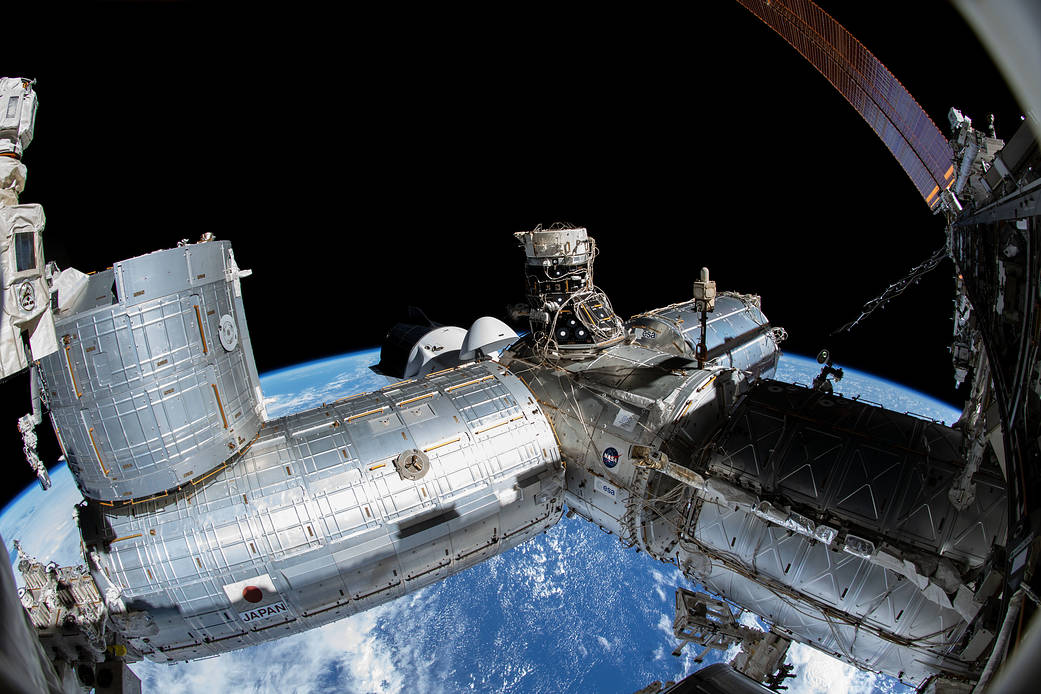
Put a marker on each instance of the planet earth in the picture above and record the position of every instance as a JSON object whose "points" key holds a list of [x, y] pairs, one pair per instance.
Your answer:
{"points": [[572, 610]]}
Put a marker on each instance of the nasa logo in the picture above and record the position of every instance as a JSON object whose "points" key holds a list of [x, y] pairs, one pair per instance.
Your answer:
{"points": [[610, 457], [264, 612]]}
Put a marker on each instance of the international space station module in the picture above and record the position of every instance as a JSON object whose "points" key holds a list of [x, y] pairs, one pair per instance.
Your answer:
{"points": [[209, 527], [878, 537]]}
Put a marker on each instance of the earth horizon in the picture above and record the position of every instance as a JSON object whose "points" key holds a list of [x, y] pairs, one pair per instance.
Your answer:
{"points": [[572, 609]]}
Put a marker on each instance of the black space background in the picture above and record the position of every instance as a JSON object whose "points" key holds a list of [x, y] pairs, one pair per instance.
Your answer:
{"points": [[360, 164]]}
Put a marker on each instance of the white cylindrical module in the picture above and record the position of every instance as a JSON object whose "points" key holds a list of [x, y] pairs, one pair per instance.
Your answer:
{"points": [[851, 542], [153, 384], [330, 512], [738, 335]]}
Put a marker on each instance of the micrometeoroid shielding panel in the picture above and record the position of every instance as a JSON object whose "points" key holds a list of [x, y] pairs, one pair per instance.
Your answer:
{"points": [[151, 387]]}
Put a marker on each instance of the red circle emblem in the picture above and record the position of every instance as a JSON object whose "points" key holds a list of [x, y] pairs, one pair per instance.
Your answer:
{"points": [[252, 594]]}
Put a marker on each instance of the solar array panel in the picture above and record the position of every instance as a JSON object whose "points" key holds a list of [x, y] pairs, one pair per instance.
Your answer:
{"points": [[869, 86]]}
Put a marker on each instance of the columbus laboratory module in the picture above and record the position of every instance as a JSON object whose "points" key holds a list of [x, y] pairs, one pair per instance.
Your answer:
{"points": [[892, 542]]}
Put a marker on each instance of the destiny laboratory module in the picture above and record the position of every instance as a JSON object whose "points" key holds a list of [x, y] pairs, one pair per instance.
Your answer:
{"points": [[878, 537]]}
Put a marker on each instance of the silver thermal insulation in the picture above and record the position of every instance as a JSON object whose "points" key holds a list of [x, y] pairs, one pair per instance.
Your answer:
{"points": [[875, 472], [628, 395], [153, 384], [873, 475], [321, 517], [738, 335], [847, 606]]}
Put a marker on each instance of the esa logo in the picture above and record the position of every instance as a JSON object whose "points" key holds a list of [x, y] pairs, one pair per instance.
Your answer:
{"points": [[610, 457]]}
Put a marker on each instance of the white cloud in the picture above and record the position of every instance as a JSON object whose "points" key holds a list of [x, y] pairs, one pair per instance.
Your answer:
{"points": [[819, 673], [285, 393], [730, 653], [747, 618], [350, 655]]}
